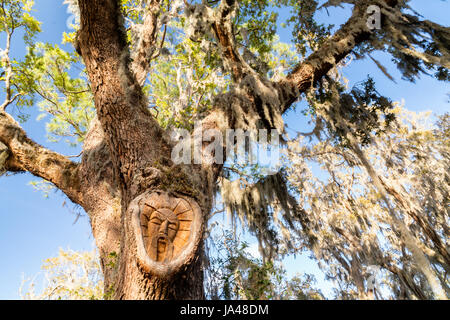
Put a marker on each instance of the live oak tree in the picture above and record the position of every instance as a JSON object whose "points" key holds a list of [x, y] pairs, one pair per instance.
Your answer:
{"points": [[147, 67], [349, 232]]}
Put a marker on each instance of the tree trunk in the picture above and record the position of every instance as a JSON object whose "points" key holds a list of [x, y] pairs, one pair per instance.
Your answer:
{"points": [[131, 269], [147, 213]]}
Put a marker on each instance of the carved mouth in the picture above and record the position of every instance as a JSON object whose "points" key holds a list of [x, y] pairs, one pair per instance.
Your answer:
{"points": [[163, 238], [162, 243], [162, 248]]}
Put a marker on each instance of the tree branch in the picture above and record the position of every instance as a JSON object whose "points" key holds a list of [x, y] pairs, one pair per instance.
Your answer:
{"points": [[205, 22], [134, 138], [8, 69], [147, 42], [27, 155], [257, 102], [351, 34], [319, 63], [223, 30]]}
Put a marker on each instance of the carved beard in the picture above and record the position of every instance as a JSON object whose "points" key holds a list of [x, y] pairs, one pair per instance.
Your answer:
{"points": [[162, 248]]}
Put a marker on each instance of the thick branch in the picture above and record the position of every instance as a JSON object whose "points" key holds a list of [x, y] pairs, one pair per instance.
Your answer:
{"points": [[318, 64], [223, 30], [353, 33], [133, 136], [147, 42], [27, 155]]}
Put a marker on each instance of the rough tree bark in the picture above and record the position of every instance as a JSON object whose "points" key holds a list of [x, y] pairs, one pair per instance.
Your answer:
{"points": [[127, 182]]}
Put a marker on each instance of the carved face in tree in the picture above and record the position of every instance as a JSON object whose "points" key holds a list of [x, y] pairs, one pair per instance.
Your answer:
{"points": [[162, 229], [165, 226]]}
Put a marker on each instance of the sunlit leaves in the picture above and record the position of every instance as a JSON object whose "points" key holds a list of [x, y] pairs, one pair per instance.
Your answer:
{"points": [[61, 86], [71, 275], [16, 14], [14, 18], [184, 81], [307, 33]]}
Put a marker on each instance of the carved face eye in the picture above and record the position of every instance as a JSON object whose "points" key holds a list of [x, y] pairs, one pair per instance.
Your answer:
{"points": [[156, 220], [173, 226], [164, 222]]}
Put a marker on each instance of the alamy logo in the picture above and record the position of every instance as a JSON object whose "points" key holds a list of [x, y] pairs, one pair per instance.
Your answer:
{"points": [[374, 19], [252, 147], [70, 22], [71, 9]]}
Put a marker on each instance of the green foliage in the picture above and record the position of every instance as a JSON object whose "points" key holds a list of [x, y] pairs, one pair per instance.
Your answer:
{"points": [[64, 92], [16, 17], [259, 21], [188, 72], [351, 223], [362, 108], [48, 75], [184, 83], [43, 186], [307, 33], [16, 14]]}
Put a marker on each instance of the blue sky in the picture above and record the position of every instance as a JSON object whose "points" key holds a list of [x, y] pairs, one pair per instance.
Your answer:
{"points": [[32, 228]]}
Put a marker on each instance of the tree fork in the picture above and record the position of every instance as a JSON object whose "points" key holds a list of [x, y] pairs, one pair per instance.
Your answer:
{"points": [[140, 156]]}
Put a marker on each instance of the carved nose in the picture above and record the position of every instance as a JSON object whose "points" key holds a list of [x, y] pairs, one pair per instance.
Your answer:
{"points": [[164, 227]]}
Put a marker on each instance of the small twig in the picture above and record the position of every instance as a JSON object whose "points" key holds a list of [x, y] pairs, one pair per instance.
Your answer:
{"points": [[76, 156]]}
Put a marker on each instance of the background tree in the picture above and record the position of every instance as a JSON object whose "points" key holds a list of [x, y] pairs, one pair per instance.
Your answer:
{"points": [[146, 67], [69, 276]]}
